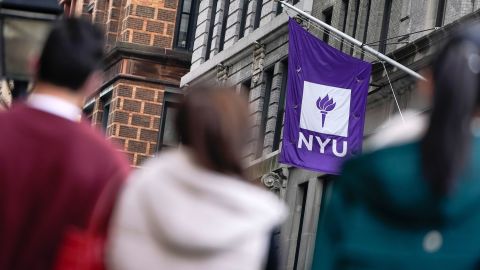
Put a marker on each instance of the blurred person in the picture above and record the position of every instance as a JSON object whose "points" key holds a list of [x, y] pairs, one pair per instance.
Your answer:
{"points": [[53, 166], [192, 208], [5, 96], [416, 205]]}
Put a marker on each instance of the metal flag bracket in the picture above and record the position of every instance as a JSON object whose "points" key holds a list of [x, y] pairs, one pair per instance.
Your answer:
{"points": [[354, 41], [382, 58]]}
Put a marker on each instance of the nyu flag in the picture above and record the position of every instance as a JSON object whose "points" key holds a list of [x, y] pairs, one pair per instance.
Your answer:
{"points": [[326, 100]]}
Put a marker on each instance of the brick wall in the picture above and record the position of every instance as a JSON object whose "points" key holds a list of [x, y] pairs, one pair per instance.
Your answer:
{"points": [[145, 22], [100, 12], [134, 80], [134, 118], [150, 23], [112, 22], [135, 121]]}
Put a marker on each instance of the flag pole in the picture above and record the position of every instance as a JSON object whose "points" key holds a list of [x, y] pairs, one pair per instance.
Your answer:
{"points": [[355, 42]]}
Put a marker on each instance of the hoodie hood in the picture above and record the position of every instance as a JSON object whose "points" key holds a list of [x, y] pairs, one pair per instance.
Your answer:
{"points": [[400, 129], [393, 185], [191, 209]]}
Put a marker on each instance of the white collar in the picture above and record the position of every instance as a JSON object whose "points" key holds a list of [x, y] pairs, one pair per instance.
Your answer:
{"points": [[55, 105]]}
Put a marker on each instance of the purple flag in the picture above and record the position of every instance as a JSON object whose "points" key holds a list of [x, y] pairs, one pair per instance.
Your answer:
{"points": [[325, 108]]}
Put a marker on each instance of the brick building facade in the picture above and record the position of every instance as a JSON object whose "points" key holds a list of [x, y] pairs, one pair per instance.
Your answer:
{"points": [[254, 54], [143, 67]]}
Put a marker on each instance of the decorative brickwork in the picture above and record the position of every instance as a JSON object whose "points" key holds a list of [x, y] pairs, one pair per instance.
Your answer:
{"points": [[155, 27], [161, 41], [166, 15], [135, 118], [152, 20], [145, 23], [145, 12], [134, 23], [141, 38], [171, 4]]}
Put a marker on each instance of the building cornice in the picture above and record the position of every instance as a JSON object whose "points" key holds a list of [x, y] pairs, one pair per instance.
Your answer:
{"points": [[135, 51]]}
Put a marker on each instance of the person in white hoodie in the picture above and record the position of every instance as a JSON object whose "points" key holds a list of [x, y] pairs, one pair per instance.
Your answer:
{"points": [[192, 208]]}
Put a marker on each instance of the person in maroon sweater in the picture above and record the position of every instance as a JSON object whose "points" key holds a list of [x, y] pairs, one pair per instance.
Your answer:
{"points": [[53, 167]]}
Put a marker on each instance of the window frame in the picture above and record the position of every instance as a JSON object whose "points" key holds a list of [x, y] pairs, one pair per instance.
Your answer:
{"points": [[277, 136], [268, 76], [90, 7], [223, 30], [367, 21], [387, 9], [243, 85], [191, 28], [211, 27], [243, 19], [106, 102], [345, 6], [258, 14], [87, 112], [355, 22], [171, 99], [328, 16], [302, 195], [280, 7], [440, 14]]}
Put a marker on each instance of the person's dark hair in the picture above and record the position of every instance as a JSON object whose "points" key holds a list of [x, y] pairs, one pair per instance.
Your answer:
{"points": [[213, 123], [445, 147], [72, 51]]}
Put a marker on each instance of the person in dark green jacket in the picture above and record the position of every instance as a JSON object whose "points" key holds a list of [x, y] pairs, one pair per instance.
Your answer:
{"points": [[416, 205]]}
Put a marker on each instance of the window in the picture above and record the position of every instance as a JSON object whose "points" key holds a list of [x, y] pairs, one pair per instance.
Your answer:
{"points": [[106, 101], [327, 18], [326, 187], [88, 112], [355, 22], [210, 30], [268, 78], [245, 88], [186, 21], [224, 25], [440, 20], [90, 7], [258, 14], [367, 20], [243, 19], [281, 107], [280, 7], [344, 21], [168, 137], [385, 25], [300, 203]]}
